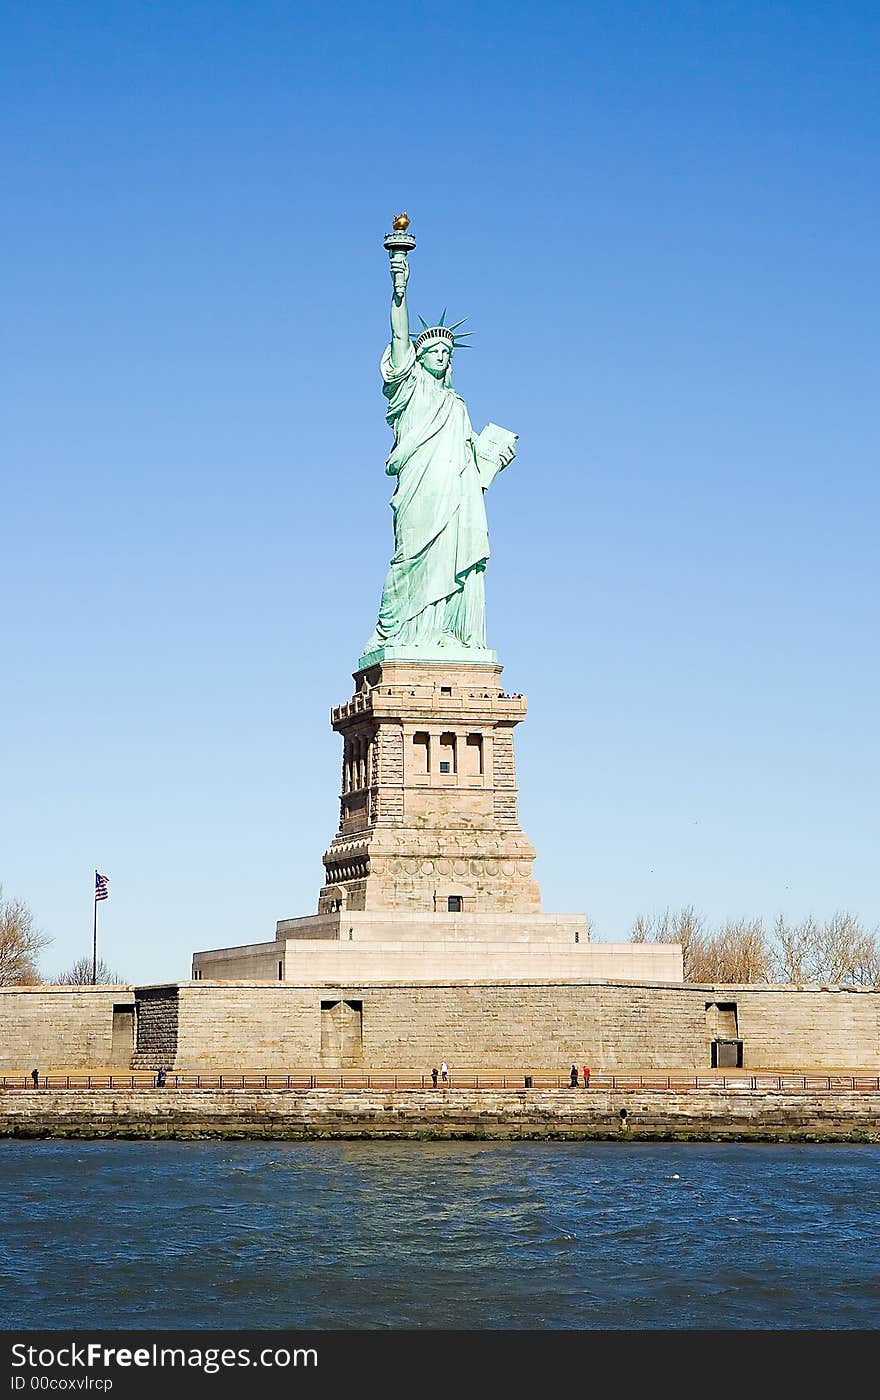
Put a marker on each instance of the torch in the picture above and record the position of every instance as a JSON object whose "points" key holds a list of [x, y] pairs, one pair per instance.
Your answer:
{"points": [[399, 241]]}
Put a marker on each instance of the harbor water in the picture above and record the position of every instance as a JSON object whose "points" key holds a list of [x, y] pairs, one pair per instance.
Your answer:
{"points": [[443, 1235]]}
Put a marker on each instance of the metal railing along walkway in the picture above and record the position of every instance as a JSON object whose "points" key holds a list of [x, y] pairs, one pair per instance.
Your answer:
{"points": [[810, 1082]]}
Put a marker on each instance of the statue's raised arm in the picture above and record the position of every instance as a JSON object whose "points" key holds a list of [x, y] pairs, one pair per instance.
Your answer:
{"points": [[399, 314]]}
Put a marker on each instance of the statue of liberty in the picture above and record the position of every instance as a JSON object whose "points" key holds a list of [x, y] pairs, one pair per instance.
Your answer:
{"points": [[434, 602]]}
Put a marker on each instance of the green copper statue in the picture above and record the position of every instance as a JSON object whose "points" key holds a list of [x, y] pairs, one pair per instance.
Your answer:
{"points": [[433, 604]]}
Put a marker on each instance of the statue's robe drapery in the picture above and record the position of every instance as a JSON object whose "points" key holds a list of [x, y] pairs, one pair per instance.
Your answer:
{"points": [[434, 591]]}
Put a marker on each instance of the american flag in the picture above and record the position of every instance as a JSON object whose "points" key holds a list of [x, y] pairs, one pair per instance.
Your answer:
{"points": [[101, 883]]}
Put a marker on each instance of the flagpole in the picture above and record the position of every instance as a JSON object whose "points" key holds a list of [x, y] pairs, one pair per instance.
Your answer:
{"points": [[95, 935]]}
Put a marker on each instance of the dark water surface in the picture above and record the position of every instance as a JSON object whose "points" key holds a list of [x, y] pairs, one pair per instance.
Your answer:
{"points": [[364, 1235]]}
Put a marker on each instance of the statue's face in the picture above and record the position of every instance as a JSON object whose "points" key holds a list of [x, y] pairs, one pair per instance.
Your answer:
{"points": [[436, 358]]}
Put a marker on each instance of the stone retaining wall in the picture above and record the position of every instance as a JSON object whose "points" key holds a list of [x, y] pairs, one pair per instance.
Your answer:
{"points": [[481, 1027], [41, 1027], [739, 1114], [484, 1026]]}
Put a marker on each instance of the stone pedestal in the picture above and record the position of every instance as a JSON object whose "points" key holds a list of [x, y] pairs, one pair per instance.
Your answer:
{"points": [[428, 810]]}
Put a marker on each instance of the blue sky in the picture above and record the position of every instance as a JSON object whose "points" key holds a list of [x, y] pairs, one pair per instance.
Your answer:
{"points": [[661, 221]]}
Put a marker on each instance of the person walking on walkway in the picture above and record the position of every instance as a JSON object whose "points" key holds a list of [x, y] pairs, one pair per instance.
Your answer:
{"points": [[444, 1072], [434, 1076], [573, 1077], [586, 1077]]}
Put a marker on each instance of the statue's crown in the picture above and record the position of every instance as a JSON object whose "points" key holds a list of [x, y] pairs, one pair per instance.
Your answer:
{"points": [[432, 334]]}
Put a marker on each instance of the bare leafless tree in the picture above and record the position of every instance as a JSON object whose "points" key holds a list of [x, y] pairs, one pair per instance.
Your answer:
{"points": [[865, 970], [741, 951], [80, 974], [796, 950], [685, 926], [20, 943], [838, 951], [848, 948]]}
